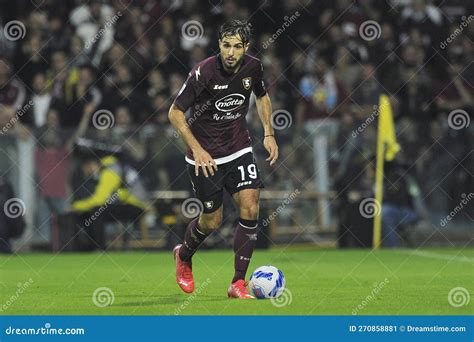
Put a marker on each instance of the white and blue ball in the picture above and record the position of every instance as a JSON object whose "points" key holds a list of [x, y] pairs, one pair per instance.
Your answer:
{"points": [[267, 282]]}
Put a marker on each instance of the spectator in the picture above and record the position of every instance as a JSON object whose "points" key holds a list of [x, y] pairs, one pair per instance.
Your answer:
{"points": [[12, 90], [368, 89], [31, 59], [163, 58], [41, 101], [415, 97], [160, 108], [78, 94], [124, 133], [61, 74], [94, 24], [346, 71], [58, 35], [398, 209], [157, 83], [12, 225], [52, 159], [118, 192], [455, 93]]}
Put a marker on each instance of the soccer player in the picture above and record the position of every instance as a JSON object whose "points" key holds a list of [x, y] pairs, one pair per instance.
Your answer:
{"points": [[217, 92]]}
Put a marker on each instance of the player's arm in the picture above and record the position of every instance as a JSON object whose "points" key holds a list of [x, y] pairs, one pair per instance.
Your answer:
{"points": [[264, 109], [201, 156], [187, 97]]}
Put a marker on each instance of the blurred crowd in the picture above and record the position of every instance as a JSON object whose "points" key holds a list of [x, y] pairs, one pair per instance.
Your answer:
{"points": [[74, 58]]}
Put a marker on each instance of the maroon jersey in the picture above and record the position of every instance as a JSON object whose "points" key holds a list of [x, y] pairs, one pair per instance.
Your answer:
{"points": [[218, 103]]}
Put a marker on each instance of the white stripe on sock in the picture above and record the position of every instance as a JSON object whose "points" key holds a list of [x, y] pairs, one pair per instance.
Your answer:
{"points": [[248, 227]]}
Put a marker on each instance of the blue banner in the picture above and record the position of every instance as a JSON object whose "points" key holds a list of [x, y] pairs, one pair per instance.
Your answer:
{"points": [[237, 328]]}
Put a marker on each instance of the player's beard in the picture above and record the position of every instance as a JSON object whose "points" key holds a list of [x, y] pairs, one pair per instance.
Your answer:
{"points": [[232, 68]]}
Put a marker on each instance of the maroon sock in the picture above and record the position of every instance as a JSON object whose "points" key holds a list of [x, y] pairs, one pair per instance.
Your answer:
{"points": [[244, 244], [192, 240]]}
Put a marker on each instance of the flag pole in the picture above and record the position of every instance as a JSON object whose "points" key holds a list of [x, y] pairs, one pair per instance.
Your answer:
{"points": [[377, 235]]}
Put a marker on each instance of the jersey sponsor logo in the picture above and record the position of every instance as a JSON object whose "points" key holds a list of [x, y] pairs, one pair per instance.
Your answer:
{"points": [[218, 87], [247, 82], [226, 116], [230, 102]]}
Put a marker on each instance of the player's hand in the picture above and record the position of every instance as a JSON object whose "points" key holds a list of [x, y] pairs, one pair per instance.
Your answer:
{"points": [[204, 160], [271, 146]]}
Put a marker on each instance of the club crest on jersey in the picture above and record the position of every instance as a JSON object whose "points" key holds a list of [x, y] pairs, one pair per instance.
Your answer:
{"points": [[247, 82]]}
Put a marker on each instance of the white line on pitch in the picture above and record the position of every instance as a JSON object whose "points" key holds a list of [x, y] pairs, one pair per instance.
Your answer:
{"points": [[440, 256]]}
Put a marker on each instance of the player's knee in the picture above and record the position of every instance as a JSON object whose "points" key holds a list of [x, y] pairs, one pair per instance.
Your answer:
{"points": [[210, 222], [249, 210]]}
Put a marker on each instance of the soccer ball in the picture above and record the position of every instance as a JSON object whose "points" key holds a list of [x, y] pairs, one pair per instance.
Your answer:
{"points": [[267, 282]]}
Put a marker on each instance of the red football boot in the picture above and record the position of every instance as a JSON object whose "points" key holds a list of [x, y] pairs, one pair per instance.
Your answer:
{"points": [[184, 272], [239, 290]]}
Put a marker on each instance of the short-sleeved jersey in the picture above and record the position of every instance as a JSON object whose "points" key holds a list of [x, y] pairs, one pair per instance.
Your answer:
{"points": [[218, 104]]}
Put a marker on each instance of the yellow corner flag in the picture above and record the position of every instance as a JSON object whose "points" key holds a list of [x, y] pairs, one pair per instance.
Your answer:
{"points": [[387, 148], [386, 130]]}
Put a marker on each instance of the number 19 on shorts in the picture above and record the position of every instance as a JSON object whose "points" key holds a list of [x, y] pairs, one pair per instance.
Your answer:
{"points": [[251, 170]]}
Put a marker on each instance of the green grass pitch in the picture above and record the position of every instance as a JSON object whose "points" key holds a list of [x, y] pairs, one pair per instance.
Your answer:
{"points": [[321, 282]]}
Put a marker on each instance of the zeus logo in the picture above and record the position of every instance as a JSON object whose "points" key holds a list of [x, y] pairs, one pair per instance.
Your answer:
{"points": [[217, 86], [265, 275]]}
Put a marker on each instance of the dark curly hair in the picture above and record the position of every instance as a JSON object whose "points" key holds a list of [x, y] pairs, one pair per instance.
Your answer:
{"points": [[236, 27]]}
